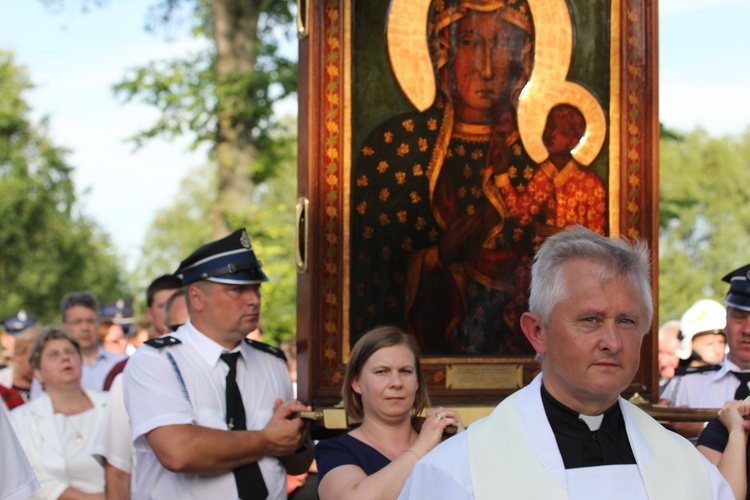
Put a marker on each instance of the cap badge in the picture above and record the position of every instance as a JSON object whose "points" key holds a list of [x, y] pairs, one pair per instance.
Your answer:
{"points": [[244, 240]]}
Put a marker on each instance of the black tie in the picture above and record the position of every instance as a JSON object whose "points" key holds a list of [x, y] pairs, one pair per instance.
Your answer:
{"points": [[742, 391], [249, 479]]}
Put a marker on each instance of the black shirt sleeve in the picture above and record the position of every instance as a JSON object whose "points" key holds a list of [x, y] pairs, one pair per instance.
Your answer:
{"points": [[714, 436]]}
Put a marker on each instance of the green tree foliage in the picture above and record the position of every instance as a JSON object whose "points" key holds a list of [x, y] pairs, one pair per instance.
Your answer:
{"points": [[185, 225], [271, 226], [46, 247], [704, 217], [225, 94], [178, 229]]}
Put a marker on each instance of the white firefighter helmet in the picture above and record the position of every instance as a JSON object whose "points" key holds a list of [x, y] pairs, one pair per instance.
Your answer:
{"points": [[704, 317]]}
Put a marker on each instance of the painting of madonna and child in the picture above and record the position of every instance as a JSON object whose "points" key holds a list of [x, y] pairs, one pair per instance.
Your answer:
{"points": [[473, 140]]}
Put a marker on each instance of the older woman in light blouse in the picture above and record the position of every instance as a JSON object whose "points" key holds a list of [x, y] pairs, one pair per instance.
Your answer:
{"points": [[57, 429]]}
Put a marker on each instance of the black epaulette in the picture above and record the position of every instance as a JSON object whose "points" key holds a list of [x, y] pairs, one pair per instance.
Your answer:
{"points": [[164, 341], [689, 370], [267, 348]]}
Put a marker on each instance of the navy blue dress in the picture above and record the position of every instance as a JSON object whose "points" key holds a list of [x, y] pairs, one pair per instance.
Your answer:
{"points": [[346, 450]]}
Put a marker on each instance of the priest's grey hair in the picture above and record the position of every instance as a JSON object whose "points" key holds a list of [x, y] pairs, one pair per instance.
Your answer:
{"points": [[619, 258]]}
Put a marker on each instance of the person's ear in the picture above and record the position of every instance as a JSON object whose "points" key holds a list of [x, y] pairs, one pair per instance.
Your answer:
{"points": [[531, 325], [355, 386], [195, 296], [38, 375]]}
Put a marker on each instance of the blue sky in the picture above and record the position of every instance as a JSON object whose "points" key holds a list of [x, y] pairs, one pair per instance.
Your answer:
{"points": [[704, 65], [74, 58]]}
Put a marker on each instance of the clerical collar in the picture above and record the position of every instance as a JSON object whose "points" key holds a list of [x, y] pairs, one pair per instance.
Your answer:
{"points": [[571, 422], [583, 443], [593, 423]]}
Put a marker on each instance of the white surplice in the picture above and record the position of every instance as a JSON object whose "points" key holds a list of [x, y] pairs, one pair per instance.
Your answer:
{"points": [[513, 454]]}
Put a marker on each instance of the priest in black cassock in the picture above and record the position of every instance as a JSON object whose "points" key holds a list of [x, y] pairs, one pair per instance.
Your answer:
{"points": [[569, 434]]}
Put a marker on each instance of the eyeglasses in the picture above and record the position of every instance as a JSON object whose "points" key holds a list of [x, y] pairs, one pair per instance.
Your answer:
{"points": [[80, 321], [174, 328]]}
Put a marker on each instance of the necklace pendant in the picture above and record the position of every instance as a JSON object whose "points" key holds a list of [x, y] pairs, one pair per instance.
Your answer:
{"points": [[79, 438]]}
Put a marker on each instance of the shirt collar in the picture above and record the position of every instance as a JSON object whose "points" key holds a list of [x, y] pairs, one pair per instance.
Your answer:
{"points": [[727, 367], [100, 353], [566, 421], [206, 347]]}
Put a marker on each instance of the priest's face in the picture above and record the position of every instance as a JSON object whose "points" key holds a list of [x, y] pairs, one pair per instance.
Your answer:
{"points": [[591, 343]]}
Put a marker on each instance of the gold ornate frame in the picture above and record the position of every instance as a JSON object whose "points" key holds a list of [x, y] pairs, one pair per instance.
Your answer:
{"points": [[325, 156]]}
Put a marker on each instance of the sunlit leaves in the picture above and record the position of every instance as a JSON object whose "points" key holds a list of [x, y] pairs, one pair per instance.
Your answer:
{"points": [[47, 248], [704, 217]]}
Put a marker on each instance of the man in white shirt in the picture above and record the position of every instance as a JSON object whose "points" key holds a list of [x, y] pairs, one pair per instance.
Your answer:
{"points": [[80, 314], [175, 312], [113, 446], [157, 294], [713, 386], [568, 434], [212, 414]]}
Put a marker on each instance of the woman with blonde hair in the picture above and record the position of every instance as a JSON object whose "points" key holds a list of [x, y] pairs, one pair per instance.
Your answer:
{"points": [[384, 389]]}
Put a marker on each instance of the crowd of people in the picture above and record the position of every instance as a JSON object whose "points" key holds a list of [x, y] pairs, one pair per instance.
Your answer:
{"points": [[190, 404], [207, 410], [200, 410]]}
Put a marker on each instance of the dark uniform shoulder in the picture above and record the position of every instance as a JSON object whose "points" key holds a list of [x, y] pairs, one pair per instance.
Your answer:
{"points": [[164, 341], [267, 348], [691, 370]]}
